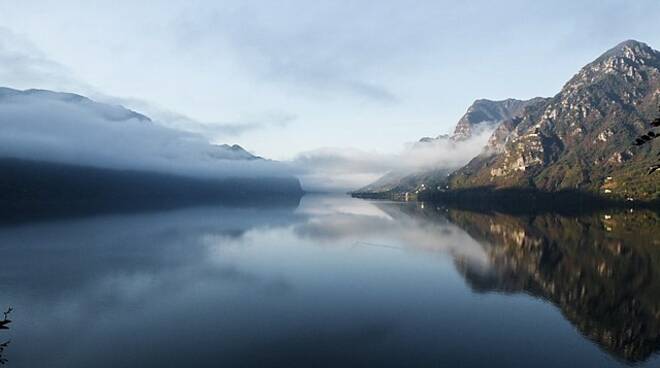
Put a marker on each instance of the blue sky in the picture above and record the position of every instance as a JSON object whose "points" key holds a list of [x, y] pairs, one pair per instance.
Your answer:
{"points": [[284, 77]]}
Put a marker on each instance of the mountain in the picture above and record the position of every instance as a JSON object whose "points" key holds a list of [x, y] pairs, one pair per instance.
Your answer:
{"points": [[484, 114], [238, 152], [580, 139], [396, 184], [62, 150], [481, 115]]}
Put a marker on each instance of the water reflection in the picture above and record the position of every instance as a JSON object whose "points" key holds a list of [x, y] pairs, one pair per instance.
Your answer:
{"points": [[333, 281], [602, 270], [89, 287]]}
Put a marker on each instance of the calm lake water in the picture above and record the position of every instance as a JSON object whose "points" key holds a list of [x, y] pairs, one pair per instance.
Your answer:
{"points": [[332, 282]]}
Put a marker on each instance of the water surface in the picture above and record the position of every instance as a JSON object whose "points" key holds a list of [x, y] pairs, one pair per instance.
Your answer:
{"points": [[333, 282]]}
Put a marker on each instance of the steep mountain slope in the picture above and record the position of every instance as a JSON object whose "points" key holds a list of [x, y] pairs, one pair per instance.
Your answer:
{"points": [[581, 138], [481, 115]]}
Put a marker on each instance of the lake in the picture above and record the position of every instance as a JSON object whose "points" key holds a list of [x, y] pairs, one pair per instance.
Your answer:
{"points": [[332, 281]]}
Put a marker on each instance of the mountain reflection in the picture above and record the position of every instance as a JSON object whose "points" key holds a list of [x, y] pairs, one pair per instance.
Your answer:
{"points": [[602, 270]]}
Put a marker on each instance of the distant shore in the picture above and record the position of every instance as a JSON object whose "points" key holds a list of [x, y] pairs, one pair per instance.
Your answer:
{"points": [[515, 200]]}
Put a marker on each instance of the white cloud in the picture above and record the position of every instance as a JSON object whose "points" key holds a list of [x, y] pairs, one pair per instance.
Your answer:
{"points": [[349, 169], [23, 66], [218, 131]]}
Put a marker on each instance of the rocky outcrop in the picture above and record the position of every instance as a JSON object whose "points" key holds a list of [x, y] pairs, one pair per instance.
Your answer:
{"points": [[489, 114]]}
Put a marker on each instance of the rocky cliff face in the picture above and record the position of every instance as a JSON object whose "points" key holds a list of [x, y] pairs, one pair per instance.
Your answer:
{"points": [[580, 138], [489, 114], [484, 114]]}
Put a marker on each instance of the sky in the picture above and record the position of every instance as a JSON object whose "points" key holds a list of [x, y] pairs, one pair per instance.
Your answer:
{"points": [[289, 76], [293, 78]]}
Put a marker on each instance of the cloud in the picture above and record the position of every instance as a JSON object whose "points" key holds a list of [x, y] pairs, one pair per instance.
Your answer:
{"points": [[315, 58], [348, 168], [222, 130], [214, 131], [67, 128], [25, 66], [332, 221]]}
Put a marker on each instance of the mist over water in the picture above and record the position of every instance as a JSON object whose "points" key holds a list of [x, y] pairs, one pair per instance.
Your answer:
{"points": [[329, 282], [348, 169]]}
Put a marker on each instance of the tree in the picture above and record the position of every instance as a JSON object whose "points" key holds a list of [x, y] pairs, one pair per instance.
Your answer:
{"points": [[649, 137], [3, 326]]}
